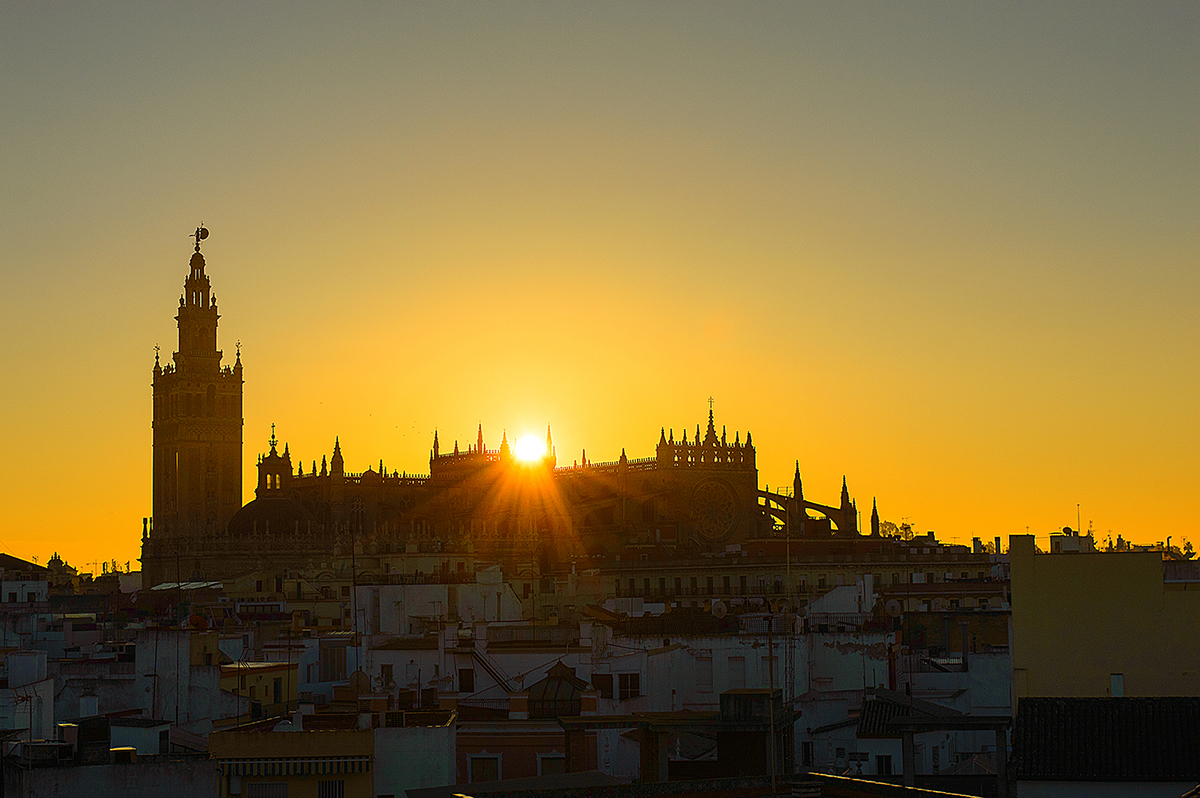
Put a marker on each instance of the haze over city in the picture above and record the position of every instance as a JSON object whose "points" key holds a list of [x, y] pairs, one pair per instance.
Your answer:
{"points": [[946, 251]]}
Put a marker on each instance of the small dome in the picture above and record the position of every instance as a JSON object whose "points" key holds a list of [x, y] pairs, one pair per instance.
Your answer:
{"points": [[276, 514]]}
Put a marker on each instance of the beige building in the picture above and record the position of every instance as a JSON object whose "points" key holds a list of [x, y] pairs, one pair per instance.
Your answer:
{"points": [[1103, 624]]}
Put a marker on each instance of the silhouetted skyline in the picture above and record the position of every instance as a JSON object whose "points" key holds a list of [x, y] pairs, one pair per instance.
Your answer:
{"points": [[949, 251]]}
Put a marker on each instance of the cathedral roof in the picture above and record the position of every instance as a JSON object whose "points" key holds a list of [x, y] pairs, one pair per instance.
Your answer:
{"points": [[276, 515]]}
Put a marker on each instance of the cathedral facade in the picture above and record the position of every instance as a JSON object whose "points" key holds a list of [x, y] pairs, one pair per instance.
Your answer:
{"points": [[690, 498]]}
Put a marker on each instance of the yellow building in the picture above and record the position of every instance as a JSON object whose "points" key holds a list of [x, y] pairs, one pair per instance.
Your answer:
{"points": [[295, 764], [1102, 624], [273, 684]]}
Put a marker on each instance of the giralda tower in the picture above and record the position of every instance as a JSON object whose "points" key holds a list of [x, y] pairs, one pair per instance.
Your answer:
{"points": [[197, 429]]}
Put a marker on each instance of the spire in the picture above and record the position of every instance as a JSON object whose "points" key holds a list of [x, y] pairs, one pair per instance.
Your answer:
{"points": [[479, 443], [710, 436], [505, 452], [797, 485], [272, 440], [662, 436], [874, 517], [845, 493], [337, 466], [549, 443], [435, 444], [748, 441], [723, 441]]}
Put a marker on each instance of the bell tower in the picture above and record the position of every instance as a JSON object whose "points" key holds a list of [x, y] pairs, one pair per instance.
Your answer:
{"points": [[197, 428]]}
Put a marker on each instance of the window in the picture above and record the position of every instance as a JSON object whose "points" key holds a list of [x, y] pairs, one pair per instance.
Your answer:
{"points": [[646, 586], [12, 598], [895, 579], [737, 673], [345, 591], [629, 685], [883, 764], [332, 662], [484, 768], [603, 684], [725, 585], [821, 582], [632, 587], [704, 682], [678, 585], [267, 789], [277, 690], [1116, 685], [742, 584], [708, 586], [164, 741], [466, 680], [331, 789], [552, 764], [662, 586], [806, 753], [983, 604], [692, 586]]}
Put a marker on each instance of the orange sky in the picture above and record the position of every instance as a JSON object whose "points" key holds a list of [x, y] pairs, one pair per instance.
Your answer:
{"points": [[947, 251]]}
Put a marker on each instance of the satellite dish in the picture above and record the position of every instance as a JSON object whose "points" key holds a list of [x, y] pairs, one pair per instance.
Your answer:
{"points": [[203, 233], [719, 609], [892, 608]]}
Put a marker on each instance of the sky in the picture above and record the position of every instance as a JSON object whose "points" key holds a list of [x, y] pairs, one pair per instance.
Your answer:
{"points": [[947, 250]]}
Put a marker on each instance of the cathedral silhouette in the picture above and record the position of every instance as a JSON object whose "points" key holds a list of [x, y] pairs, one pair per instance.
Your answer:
{"points": [[691, 498]]}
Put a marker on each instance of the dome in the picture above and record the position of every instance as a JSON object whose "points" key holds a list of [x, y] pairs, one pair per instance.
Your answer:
{"points": [[275, 514]]}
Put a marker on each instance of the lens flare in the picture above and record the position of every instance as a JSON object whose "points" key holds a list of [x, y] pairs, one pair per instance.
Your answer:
{"points": [[529, 448]]}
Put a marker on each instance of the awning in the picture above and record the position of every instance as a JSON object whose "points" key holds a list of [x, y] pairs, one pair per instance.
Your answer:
{"points": [[295, 767]]}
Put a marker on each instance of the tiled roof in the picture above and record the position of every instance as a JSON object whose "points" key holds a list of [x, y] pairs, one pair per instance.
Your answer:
{"points": [[1108, 739], [884, 705]]}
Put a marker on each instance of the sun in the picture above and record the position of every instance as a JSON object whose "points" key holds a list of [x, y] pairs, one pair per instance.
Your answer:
{"points": [[529, 448]]}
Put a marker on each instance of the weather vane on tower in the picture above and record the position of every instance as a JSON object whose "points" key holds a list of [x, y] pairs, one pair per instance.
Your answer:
{"points": [[200, 234]]}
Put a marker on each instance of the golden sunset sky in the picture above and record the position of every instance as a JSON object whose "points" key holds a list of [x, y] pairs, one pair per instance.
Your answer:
{"points": [[949, 250]]}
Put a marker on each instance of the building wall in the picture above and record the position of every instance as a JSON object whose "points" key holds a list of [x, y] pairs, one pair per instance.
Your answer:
{"points": [[411, 758], [1072, 616], [186, 778], [1102, 789]]}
